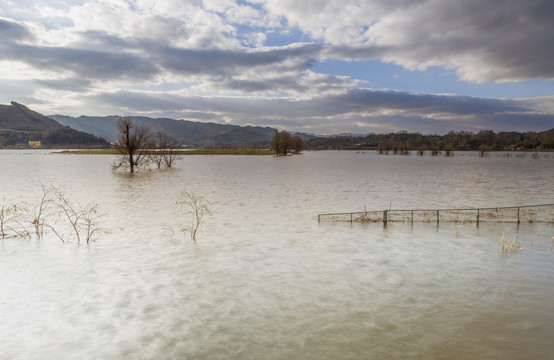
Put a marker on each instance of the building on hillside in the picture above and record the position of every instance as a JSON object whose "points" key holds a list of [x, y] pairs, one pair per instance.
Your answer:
{"points": [[34, 144]]}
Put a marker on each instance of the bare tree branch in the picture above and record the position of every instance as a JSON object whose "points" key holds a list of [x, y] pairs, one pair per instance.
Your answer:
{"points": [[133, 144], [199, 207]]}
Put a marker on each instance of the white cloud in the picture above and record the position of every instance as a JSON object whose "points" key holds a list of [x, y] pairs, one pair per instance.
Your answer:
{"points": [[495, 40]]}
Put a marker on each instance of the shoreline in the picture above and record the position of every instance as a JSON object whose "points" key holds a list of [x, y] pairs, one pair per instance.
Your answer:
{"points": [[178, 152]]}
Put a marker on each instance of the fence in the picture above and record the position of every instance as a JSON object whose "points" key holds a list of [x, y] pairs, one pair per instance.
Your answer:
{"points": [[517, 214]]}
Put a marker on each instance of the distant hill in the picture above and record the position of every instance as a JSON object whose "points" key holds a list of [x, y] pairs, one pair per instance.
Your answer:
{"points": [[19, 125], [20, 118], [189, 133]]}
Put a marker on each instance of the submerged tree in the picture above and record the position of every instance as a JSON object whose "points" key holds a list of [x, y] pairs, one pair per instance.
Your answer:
{"points": [[10, 218], [81, 220], [52, 212], [448, 150], [132, 144], [297, 144], [283, 143], [38, 213], [199, 207], [166, 153]]}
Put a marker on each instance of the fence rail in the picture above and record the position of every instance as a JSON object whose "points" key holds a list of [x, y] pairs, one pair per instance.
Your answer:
{"points": [[543, 213]]}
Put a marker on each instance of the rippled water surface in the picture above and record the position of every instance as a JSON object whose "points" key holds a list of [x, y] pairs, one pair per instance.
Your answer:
{"points": [[266, 281]]}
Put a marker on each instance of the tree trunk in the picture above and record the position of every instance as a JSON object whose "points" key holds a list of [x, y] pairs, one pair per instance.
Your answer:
{"points": [[131, 163]]}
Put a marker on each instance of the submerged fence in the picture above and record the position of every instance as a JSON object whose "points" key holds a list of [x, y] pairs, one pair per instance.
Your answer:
{"points": [[543, 213]]}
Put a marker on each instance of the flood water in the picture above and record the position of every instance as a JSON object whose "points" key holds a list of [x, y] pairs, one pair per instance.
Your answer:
{"points": [[264, 280]]}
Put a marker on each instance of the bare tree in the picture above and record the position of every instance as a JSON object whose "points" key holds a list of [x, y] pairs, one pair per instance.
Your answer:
{"points": [[199, 207], [90, 225], [132, 145], [40, 211], [54, 212], [82, 220], [13, 219], [170, 153], [8, 217], [156, 156], [166, 150]]}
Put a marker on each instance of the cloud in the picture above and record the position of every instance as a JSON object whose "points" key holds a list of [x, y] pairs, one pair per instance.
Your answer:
{"points": [[84, 63], [11, 30], [496, 40], [73, 85], [356, 110], [108, 57], [230, 62]]}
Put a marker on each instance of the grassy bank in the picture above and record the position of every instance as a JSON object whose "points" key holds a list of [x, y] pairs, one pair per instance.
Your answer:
{"points": [[180, 152]]}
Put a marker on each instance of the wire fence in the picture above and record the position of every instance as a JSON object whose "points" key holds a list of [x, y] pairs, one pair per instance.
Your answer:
{"points": [[543, 213]]}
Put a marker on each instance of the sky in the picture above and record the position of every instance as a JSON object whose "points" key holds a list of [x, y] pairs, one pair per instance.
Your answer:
{"points": [[316, 66]]}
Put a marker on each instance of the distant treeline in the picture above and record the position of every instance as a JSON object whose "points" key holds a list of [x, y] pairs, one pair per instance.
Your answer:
{"points": [[61, 137], [400, 142]]}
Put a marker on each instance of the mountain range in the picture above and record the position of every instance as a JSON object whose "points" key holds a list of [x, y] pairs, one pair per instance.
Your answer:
{"points": [[19, 124], [188, 133]]}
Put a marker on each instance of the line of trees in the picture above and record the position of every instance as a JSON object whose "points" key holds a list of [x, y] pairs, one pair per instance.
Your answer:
{"points": [[137, 147], [403, 141], [284, 143]]}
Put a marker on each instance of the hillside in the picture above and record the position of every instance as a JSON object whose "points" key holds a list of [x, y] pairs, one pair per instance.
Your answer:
{"points": [[189, 133], [19, 125], [20, 118]]}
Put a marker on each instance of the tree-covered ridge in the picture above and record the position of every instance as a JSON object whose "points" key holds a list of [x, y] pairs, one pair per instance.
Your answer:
{"points": [[19, 125], [191, 134], [486, 140], [64, 137]]}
